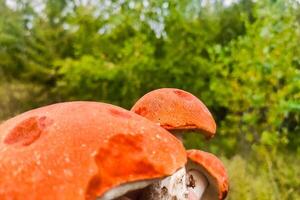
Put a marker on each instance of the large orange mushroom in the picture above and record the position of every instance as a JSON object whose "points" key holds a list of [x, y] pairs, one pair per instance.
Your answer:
{"points": [[83, 150]]}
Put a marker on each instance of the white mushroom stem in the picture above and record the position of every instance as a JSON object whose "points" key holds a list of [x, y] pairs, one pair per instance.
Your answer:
{"points": [[181, 185], [172, 187], [197, 183]]}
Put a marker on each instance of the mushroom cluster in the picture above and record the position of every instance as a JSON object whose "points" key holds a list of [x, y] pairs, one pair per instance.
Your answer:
{"points": [[90, 150]]}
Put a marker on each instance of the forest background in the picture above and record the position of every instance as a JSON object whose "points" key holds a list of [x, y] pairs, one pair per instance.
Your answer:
{"points": [[241, 58]]}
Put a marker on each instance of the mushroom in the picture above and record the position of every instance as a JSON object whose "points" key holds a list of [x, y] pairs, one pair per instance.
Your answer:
{"points": [[84, 150], [177, 111], [206, 175], [89, 150]]}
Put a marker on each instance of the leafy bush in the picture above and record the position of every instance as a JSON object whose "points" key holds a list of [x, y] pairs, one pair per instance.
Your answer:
{"points": [[268, 177], [256, 80]]}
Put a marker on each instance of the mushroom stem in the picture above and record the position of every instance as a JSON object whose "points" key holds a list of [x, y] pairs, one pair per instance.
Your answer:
{"points": [[172, 187], [181, 185], [197, 183]]}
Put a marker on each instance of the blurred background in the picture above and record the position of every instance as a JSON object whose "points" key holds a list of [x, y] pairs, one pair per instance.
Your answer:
{"points": [[240, 57]]}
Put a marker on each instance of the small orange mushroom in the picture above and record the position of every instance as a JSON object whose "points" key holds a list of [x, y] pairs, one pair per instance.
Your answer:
{"points": [[202, 164], [178, 111], [175, 109]]}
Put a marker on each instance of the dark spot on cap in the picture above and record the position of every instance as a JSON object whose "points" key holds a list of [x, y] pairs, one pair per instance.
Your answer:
{"points": [[93, 187], [141, 111], [183, 94], [119, 113], [27, 131], [120, 159]]}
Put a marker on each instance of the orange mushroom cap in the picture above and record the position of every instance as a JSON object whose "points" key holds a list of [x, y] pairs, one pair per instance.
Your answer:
{"points": [[80, 150], [175, 109], [214, 171]]}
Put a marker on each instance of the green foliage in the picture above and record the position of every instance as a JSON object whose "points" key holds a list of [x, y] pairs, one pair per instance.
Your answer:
{"points": [[256, 78], [275, 178], [242, 60], [17, 96]]}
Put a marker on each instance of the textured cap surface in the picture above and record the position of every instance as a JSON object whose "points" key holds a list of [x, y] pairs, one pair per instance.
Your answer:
{"points": [[176, 109], [213, 168], [80, 150]]}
